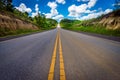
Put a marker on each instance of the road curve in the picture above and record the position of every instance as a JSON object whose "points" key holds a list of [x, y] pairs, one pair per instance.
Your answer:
{"points": [[85, 57]]}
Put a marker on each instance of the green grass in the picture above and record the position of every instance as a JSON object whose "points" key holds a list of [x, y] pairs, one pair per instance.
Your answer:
{"points": [[98, 30], [17, 32], [4, 32], [88, 26]]}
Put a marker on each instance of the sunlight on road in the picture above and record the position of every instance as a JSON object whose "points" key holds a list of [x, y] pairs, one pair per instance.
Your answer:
{"points": [[58, 25]]}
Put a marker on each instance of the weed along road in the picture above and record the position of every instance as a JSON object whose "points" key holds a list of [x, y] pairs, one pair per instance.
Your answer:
{"points": [[59, 55]]}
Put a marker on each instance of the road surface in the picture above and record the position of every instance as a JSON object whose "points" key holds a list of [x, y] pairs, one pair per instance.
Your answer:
{"points": [[59, 55]]}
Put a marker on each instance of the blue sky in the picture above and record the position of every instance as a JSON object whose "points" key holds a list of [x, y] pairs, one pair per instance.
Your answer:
{"points": [[59, 9]]}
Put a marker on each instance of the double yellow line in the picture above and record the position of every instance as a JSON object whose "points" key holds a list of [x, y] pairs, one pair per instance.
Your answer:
{"points": [[52, 66]]}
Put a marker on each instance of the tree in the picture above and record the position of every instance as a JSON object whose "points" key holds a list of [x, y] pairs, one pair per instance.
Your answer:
{"points": [[2, 5], [25, 15], [6, 5], [7, 2], [9, 7]]}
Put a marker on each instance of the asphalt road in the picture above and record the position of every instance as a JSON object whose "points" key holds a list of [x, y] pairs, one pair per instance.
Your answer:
{"points": [[85, 57]]}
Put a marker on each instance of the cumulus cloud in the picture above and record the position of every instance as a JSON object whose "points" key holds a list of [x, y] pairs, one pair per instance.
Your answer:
{"points": [[91, 3], [91, 15], [58, 17], [52, 5], [88, 11], [108, 11], [53, 10], [82, 8], [72, 10], [23, 8], [54, 14], [36, 11], [48, 15], [36, 8], [77, 11], [117, 4], [83, 12], [95, 14], [61, 1], [82, 0]]}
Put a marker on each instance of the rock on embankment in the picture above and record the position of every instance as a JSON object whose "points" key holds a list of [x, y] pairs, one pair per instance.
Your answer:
{"points": [[111, 20], [11, 23]]}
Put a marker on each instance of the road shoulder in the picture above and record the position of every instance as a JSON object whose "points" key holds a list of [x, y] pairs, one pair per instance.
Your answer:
{"points": [[19, 35], [114, 38]]}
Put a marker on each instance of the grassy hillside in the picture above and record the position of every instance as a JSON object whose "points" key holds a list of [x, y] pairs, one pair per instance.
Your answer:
{"points": [[13, 22], [108, 24]]}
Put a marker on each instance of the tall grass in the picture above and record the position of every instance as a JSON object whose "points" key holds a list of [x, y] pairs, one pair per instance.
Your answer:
{"points": [[17, 32], [98, 30]]}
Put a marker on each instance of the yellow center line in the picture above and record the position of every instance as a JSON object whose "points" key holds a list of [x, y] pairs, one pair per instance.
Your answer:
{"points": [[62, 70], [52, 66]]}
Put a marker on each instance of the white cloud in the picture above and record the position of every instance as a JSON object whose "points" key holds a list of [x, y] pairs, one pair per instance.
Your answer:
{"points": [[82, 0], [91, 3], [53, 11], [81, 9], [23, 8], [36, 11], [91, 15], [116, 4], [108, 11], [34, 14], [77, 11], [36, 8], [48, 15], [95, 14], [61, 1], [58, 17], [72, 10], [52, 5], [54, 14], [88, 11]]}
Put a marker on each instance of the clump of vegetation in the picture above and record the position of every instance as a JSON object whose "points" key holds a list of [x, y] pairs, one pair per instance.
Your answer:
{"points": [[4, 33], [6, 5], [44, 23]]}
